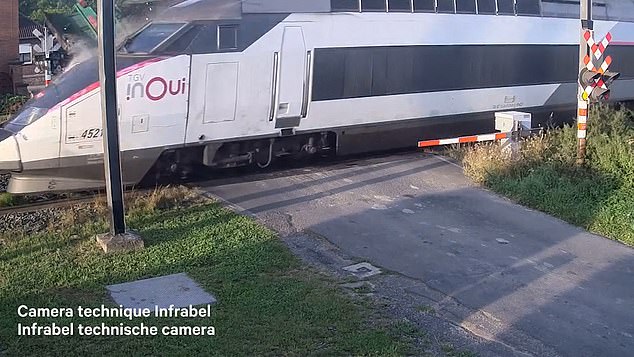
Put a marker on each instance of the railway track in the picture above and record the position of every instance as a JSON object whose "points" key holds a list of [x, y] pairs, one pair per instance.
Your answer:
{"points": [[204, 178], [47, 204]]}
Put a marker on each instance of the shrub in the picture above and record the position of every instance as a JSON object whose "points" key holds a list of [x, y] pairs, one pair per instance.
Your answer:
{"points": [[598, 196]]}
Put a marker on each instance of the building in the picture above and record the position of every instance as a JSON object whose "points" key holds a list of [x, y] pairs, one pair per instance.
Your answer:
{"points": [[9, 36], [31, 60]]}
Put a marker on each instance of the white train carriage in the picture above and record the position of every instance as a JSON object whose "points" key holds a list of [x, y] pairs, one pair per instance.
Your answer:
{"points": [[224, 83]]}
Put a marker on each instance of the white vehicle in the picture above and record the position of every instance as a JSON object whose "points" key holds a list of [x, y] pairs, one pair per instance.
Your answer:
{"points": [[223, 83]]}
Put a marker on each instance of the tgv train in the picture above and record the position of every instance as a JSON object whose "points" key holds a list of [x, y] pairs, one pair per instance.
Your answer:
{"points": [[224, 83]]}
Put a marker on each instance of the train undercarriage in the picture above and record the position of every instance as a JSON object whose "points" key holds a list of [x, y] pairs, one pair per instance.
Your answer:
{"points": [[261, 153]]}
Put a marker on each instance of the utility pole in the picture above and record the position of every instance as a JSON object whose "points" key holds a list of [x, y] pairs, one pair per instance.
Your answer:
{"points": [[110, 118], [583, 103], [118, 240]]}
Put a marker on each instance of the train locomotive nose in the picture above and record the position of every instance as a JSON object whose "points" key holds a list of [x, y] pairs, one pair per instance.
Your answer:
{"points": [[9, 152]]}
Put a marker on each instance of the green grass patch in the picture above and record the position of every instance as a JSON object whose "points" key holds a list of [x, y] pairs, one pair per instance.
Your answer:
{"points": [[268, 303], [598, 197], [6, 199]]}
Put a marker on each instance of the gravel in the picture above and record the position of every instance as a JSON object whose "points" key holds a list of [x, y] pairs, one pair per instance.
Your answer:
{"points": [[4, 181], [29, 222], [15, 225]]}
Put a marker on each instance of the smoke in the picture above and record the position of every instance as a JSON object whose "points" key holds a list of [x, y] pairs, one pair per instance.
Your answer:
{"points": [[81, 50], [127, 26]]}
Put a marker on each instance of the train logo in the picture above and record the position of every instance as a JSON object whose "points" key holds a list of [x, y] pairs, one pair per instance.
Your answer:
{"points": [[155, 89]]}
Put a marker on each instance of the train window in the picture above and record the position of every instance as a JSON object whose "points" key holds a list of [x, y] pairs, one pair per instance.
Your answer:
{"points": [[486, 6], [227, 37], [344, 5], [527, 7], [446, 6], [182, 43], [466, 6], [424, 5], [206, 40], [150, 37], [400, 5], [506, 7], [373, 5]]}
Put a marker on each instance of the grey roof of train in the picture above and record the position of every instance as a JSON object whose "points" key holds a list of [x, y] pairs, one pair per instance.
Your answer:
{"points": [[233, 9], [183, 10]]}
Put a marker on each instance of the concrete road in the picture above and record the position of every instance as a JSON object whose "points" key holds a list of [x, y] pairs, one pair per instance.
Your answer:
{"points": [[513, 276]]}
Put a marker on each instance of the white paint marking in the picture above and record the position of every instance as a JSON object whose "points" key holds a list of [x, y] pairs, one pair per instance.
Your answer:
{"points": [[408, 211], [414, 187], [502, 241]]}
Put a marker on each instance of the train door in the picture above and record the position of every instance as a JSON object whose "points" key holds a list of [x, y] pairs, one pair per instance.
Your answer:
{"points": [[292, 63], [221, 92]]}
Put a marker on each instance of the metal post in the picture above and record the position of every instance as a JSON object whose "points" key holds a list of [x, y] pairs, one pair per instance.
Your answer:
{"points": [[108, 83], [47, 62], [583, 104]]}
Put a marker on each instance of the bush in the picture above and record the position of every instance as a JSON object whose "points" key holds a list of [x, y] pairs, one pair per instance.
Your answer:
{"points": [[599, 196], [9, 104]]}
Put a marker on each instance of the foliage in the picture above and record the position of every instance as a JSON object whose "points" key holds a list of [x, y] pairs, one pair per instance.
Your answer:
{"points": [[35, 9], [9, 104], [599, 196]]}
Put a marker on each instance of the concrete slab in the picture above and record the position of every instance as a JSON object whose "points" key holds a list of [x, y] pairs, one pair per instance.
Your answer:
{"points": [[514, 276], [363, 270], [177, 289]]}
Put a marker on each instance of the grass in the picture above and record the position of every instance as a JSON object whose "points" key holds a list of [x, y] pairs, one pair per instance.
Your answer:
{"points": [[268, 303], [450, 351], [7, 199], [598, 196], [426, 309]]}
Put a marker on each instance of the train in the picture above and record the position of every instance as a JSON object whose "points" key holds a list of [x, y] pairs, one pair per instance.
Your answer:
{"points": [[228, 83]]}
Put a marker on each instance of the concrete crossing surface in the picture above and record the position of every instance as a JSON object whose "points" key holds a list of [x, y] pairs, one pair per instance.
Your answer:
{"points": [[523, 282]]}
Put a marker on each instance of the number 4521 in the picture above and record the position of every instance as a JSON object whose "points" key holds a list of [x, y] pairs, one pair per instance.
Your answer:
{"points": [[92, 133]]}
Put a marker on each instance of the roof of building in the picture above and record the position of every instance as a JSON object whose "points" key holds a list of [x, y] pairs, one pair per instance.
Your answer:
{"points": [[27, 26]]}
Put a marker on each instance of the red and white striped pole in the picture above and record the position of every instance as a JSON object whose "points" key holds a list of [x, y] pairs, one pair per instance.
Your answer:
{"points": [[47, 61], [582, 121], [464, 139], [586, 40], [47, 73]]}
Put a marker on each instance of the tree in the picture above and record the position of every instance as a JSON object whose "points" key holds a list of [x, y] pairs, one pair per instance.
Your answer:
{"points": [[35, 9]]}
